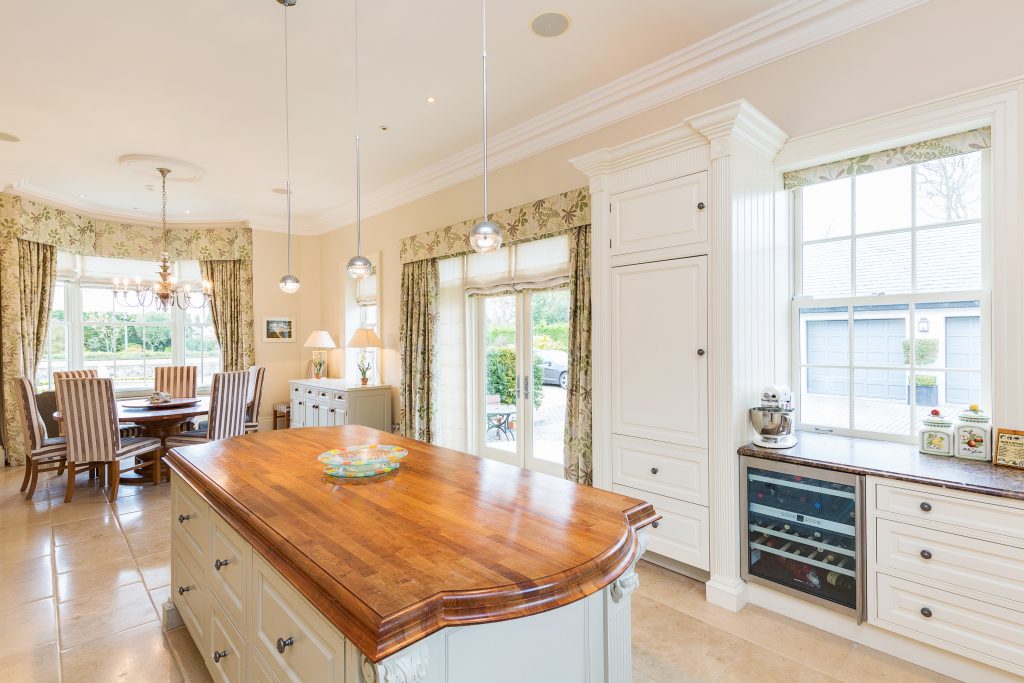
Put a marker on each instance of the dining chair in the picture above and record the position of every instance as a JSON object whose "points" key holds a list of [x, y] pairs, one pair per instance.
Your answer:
{"points": [[177, 380], [226, 419], [93, 436], [42, 454], [254, 394], [127, 430]]}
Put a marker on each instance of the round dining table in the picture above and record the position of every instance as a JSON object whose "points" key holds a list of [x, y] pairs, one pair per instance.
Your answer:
{"points": [[154, 421]]}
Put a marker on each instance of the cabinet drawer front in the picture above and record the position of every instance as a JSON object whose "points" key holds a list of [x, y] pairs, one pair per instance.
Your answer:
{"points": [[666, 214], [190, 519], [950, 510], [313, 649], [226, 652], [683, 531], [963, 561], [672, 471], [228, 570], [972, 627], [188, 590]]}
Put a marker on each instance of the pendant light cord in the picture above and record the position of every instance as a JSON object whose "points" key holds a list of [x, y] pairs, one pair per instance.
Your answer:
{"points": [[287, 141], [486, 212], [359, 194]]}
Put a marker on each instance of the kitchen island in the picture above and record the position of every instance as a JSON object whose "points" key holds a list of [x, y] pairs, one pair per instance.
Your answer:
{"points": [[453, 568]]}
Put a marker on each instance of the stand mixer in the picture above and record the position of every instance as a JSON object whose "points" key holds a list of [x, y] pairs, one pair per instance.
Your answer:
{"points": [[773, 419]]}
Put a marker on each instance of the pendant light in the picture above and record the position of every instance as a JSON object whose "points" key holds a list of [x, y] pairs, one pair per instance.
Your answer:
{"points": [[289, 284], [485, 236], [358, 267]]}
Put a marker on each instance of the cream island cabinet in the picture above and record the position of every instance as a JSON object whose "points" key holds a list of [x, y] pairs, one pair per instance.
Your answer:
{"points": [[336, 402], [451, 569]]}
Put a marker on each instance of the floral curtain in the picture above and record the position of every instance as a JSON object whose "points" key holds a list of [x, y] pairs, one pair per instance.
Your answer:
{"points": [[418, 346], [579, 451], [37, 273], [543, 218], [26, 220], [938, 148], [231, 311]]}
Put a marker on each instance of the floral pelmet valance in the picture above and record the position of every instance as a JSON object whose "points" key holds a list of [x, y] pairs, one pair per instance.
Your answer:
{"points": [[543, 218], [938, 148]]}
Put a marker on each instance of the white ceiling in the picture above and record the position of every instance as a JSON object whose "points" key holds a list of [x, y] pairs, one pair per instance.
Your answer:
{"points": [[86, 82]]}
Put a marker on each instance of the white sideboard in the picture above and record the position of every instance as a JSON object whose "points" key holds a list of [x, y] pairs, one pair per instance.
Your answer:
{"points": [[336, 402]]}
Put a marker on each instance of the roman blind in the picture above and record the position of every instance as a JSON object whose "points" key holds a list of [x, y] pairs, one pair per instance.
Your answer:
{"points": [[537, 265]]}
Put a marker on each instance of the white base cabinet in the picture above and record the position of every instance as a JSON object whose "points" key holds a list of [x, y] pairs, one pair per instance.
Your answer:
{"points": [[335, 402]]}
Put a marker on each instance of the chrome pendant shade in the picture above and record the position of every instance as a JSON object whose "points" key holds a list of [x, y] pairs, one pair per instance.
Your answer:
{"points": [[358, 267], [289, 284], [486, 236]]}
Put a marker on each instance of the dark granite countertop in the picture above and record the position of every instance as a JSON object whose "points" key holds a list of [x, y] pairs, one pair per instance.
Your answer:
{"points": [[896, 461]]}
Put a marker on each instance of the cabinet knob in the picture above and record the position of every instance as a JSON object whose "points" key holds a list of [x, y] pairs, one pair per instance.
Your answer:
{"points": [[283, 644], [219, 655], [183, 518], [926, 507], [655, 524], [221, 563], [701, 352], [184, 589], [926, 554], [926, 613], [654, 470], [701, 205]]}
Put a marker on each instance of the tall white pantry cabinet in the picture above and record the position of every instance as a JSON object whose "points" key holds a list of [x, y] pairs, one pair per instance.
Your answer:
{"points": [[684, 272]]}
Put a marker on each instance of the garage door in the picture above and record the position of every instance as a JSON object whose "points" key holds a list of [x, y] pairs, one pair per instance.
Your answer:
{"points": [[963, 350], [876, 342]]}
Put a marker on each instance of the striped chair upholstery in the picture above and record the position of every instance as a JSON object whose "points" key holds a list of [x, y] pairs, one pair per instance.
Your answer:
{"points": [[227, 411], [253, 396], [90, 418], [127, 430], [43, 454], [177, 380]]}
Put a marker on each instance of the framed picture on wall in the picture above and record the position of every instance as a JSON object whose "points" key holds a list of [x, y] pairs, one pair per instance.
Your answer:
{"points": [[278, 329]]}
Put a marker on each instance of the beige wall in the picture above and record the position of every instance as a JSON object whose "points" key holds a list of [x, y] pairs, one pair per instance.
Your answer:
{"points": [[932, 51]]}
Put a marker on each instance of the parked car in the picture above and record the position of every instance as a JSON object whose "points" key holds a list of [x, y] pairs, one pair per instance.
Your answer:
{"points": [[555, 365]]}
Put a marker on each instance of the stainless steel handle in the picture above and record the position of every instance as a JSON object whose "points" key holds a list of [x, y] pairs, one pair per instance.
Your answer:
{"points": [[284, 644], [217, 656], [518, 392], [926, 507], [183, 518], [926, 613], [654, 470], [221, 563], [926, 554], [184, 589], [526, 387]]}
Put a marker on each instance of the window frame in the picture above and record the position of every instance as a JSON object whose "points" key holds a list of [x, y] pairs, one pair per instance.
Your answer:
{"points": [[798, 301]]}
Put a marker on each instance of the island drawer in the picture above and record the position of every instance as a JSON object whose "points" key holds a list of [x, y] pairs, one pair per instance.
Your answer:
{"points": [[928, 506], [188, 590], [190, 518], [668, 469], [225, 657], [228, 567], [682, 533], [292, 637], [258, 670], [974, 628], [962, 561]]}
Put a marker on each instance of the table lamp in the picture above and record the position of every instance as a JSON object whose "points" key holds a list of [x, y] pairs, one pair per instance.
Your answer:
{"points": [[319, 340], [364, 338]]}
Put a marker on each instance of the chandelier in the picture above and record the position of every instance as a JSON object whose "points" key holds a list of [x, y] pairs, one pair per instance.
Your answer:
{"points": [[165, 293]]}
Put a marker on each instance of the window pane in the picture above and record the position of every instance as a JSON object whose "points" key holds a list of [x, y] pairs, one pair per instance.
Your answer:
{"points": [[879, 335], [826, 209], [825, 398], [824, 336], [59, 305], [883, 200], [883, 264], [949, 189], [500, 368], [97, 304], [826, 269], [949, 259], [880, 401], [550, 322], [961, 389]]}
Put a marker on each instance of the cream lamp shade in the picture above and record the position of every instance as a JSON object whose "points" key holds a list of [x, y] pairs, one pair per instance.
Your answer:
{"points": [[365, 338], [319, 339]]}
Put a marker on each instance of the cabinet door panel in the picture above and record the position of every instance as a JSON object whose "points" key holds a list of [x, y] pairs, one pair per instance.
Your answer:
{"points": [[229, 569], [658, 343], [227, 655], [658, 216], [369, 410]]}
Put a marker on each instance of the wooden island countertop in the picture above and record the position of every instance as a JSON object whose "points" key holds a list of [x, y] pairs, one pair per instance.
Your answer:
{"points": [[448, 540]]}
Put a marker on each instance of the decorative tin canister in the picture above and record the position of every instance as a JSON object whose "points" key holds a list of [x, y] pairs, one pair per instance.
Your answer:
{"points": [[973, 434]]}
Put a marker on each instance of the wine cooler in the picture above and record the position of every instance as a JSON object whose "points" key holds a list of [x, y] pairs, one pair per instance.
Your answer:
{"points": [[803, 532]]}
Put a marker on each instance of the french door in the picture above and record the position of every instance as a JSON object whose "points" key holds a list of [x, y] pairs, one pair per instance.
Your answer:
{"points": [[522, 373]]}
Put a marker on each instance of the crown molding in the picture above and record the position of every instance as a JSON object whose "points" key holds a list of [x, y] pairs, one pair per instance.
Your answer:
{"points": [[743, 121]]}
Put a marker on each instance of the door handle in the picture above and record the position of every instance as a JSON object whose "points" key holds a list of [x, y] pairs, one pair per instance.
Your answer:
{"points": [[526, 387]]}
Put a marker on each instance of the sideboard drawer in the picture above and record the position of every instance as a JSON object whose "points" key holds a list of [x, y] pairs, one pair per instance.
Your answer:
{"points": [[683, 532], [971, 627], [190, 519], [188, 590], [228, 568], [674, 471], [962, 561], [226, 656], [920, 503], [313, 650]]}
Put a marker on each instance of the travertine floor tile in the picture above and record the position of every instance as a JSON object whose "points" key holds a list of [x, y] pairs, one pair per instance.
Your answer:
{"points": [[150, 541], [865, 664], [186, 654], [80, 582], [26, 581], [37, 625], [755, 663], [138, 655], [156, 569], [667, 587], [20, 512], [78, 509], [102, 613], [18, 544], [91, 552], [85, 529], [153, 515], [40, 664]]}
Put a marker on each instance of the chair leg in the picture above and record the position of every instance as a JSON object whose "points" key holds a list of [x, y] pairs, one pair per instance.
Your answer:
{"points": [[71, 483], [113, 474], [92, 472], [63, 465], [157, 463], [28, 474], [34, 467]]}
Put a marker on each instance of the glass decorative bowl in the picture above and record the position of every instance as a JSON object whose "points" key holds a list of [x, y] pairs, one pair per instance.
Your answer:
{"points": [[367, 460]]}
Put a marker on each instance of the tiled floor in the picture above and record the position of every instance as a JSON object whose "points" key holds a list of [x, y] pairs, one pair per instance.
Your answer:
{"points": [[82, 585]]}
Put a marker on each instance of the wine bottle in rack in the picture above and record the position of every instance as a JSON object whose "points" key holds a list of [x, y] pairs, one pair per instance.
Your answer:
{"points": [[841, 581]]}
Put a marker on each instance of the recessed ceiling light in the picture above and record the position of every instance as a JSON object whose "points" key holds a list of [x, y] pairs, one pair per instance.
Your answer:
{"points": [[550, 24], [431, 99], [384, 129], [7, 137], [187, 211]]}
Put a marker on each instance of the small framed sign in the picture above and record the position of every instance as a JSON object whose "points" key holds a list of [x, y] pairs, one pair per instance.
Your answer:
{"points": [[279, 329], [1009, 448]]}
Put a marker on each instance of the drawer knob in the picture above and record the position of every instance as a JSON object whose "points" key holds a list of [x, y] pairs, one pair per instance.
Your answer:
{"points": [[701, 205], [219, 655], [926, 554], [701, 352], [654, 470], [655, 524], [184, 589], [221, 563], [926, 507], [283, 644], [926, 613], [183, 518]]}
